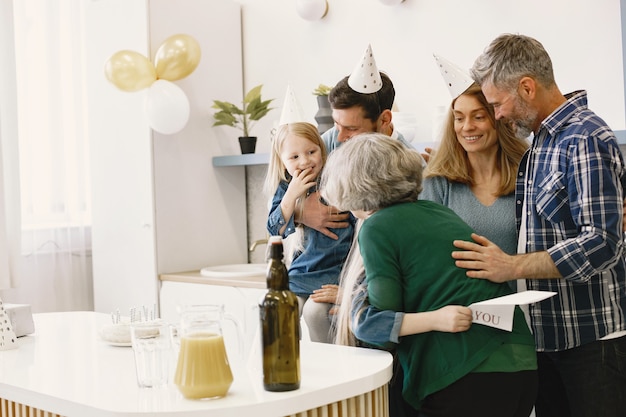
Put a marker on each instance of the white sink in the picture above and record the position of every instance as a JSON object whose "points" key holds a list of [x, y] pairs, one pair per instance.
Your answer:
{"points": [[235, 271]]}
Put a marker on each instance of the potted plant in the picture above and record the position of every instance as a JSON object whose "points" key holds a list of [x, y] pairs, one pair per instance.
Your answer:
{"points": [[254, 108], [322, 90], [323, 117]]}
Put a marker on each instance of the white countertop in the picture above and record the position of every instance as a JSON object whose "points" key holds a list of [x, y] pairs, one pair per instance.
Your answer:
{"points": [[195, 277], [65, 368]]}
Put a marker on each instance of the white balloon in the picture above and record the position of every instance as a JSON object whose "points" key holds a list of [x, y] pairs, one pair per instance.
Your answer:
{"points": [[167, 107], [312, 9]]}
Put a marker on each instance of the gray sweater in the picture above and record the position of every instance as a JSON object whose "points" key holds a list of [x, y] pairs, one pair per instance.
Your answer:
{"points": [[495, 222]]}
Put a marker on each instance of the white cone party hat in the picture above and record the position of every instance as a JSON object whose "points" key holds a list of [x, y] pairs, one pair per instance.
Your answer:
{"points": [[365, 78], [8, 340], [292, 112], [456, 79]]}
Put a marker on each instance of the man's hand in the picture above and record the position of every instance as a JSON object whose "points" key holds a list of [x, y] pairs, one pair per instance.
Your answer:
{"points": [[428, 153], [321, 217], [484, 259]]}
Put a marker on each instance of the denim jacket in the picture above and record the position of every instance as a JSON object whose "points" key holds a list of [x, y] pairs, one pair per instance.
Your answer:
{"points": [[322, 258]]}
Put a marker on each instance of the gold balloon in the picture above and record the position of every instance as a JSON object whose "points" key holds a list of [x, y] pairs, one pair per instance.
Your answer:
{"points": [[177, 57], [129, 70]]}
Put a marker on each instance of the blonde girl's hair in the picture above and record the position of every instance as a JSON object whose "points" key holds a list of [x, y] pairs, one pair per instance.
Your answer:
{"points": [[451, 162], [276, 171]]}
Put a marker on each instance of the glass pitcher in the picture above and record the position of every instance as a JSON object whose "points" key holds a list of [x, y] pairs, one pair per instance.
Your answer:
{"points": [[203, 370]]}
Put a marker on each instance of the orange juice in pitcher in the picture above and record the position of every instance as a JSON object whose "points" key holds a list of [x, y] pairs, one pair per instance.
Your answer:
{"points": [[203, 370]]}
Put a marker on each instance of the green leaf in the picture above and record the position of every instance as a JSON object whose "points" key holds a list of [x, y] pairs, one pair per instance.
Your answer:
{"points": [[253, 94], [322, 90], [257, 108], [266, 103], [226, 107], [253, 110], [257, 115], [223, 118], [254, 105]]}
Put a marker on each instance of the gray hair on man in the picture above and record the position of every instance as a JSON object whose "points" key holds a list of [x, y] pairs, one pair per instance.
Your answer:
{"points": [[508, 58]]}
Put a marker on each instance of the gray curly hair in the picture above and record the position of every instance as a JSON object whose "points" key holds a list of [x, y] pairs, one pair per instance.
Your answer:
{"points": [[371, 171]]}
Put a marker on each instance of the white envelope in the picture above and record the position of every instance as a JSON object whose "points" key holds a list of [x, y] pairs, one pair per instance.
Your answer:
{"points": [[498, 312]]}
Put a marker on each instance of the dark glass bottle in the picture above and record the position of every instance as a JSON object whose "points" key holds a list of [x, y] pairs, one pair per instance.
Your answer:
{"points": [[280, 325]]}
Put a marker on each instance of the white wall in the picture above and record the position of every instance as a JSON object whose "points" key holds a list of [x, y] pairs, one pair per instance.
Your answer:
{"points": [[159, 205], [582, 37], [121, 166], [200, 209]]}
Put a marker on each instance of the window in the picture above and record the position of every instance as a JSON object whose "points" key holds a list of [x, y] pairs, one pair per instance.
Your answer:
{"points": [[52, 115]]}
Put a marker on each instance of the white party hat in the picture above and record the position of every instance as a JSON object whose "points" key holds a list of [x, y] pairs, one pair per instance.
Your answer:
{"points": [[292, 112], [456, 79], [365, 78], [8, 340]]}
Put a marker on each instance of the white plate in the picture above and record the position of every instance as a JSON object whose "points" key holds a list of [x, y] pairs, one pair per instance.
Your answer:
{"points": [[116, 334], [119, 344], [235, 271]]}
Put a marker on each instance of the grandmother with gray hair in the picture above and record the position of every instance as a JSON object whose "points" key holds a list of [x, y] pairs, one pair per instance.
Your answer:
{"points": [[400, 268]]}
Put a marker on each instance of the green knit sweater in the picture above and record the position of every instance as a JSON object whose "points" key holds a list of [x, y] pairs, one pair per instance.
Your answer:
{"points": [[406, 250]]}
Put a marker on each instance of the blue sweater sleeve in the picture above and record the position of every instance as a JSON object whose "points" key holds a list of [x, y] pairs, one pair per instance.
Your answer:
{"points": [[380, 328]]}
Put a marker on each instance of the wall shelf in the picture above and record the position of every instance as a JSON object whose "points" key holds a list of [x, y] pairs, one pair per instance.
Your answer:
{"points": [[263, 158], [241, 160]]}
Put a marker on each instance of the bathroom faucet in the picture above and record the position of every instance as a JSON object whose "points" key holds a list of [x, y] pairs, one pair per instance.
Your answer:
{"points": [[257, 243]]}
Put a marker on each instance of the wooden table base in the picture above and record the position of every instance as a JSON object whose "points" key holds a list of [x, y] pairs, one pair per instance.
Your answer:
{"points": [[372, 404]]}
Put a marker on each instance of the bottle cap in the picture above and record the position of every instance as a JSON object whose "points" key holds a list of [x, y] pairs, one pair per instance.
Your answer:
{"points": [[275, 239], [275, 247]]}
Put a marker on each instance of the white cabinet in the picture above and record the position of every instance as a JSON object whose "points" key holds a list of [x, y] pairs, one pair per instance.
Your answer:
{"points": [[159, 205]]}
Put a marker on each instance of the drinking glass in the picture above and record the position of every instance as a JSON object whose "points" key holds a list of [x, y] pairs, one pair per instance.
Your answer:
{"points": [[152, 347]]}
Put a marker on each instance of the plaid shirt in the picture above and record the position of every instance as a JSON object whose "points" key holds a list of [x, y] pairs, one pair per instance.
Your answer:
{"points": [[574, 192]]}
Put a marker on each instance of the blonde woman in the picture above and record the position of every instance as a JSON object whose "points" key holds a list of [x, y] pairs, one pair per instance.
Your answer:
{"points": [[447, 366], [474, 169], [296, 161]]}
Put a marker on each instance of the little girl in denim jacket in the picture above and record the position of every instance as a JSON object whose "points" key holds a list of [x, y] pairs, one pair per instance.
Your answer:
{"points": [[296, 161]]}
